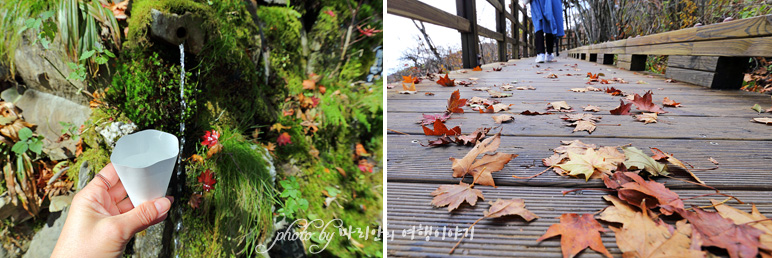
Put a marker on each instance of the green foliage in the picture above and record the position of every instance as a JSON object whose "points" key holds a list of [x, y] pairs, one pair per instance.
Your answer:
{"points": [[293, 201], [45, 25], [656, 64], [14, 15], [237, 212], [70, 129], [146, 89], [28, 142]]}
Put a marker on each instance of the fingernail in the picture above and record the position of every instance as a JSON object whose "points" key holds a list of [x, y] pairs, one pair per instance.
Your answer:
{"points": [[162, 206], [171, 198]]}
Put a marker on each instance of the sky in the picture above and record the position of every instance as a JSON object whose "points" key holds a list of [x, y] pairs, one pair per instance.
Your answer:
{"points": [[400, 33]]}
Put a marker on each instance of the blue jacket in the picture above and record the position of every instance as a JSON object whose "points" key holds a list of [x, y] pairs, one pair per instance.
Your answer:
{"points": [[547, 16]]}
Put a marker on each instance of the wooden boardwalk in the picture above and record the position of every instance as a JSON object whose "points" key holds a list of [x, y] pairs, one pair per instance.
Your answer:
{"points": [[711, 123]]}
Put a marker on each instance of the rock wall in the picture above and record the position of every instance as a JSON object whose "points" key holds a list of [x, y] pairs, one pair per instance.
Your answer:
{"points": [[39, 74]]}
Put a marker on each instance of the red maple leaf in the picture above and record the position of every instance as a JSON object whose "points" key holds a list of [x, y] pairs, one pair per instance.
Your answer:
{"points": [[447, 82], [455, 103], [367, 31], [613, 91], [315, 100], [210, 138], [644, 103], [440, 129], [284, 139], [207, 178], [740, 240], [622, 109]]}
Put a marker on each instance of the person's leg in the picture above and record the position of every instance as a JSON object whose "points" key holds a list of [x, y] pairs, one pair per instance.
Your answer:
{"points": [[550, 38], [539, 41]]}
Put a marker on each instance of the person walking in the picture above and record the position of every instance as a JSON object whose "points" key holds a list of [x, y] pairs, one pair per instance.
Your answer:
{"points": [[547, 18]]}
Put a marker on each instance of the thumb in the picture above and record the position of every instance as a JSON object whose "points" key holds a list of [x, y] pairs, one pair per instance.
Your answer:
{"points": [[145, 215]]}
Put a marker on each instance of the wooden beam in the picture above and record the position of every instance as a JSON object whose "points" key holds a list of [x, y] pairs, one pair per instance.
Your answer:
{"points": [[413, 9], [501, 27], [469, 44], [497, 5], [515, 29], [485, 32], [734, 47]]}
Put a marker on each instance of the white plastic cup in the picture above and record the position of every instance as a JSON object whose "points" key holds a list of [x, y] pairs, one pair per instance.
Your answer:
{"points": [[145, 161]]}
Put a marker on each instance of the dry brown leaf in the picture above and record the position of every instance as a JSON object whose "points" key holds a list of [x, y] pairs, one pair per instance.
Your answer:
{"points": [[643, 237], [509, 207], [454, 195], [647, 118], [715, 230], [763, 120], [591, 108], [583, 125], [755, 219], [577, 233], [670, 103], [470, 165], [503, 118]]}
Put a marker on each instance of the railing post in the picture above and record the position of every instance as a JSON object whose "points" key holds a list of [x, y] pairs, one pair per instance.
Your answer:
{"points": [[469, 46], [526, 37], [516, 29], [501, 27], [532, 44]]}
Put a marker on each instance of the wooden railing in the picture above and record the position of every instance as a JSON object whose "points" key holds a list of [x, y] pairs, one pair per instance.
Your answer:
{"points": [[713, 55], [466, 23]]}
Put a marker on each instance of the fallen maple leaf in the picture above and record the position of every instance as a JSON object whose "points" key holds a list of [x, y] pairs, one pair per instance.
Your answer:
{"points": [[309, 84], [284, 139], [587, 164], [644, 103], [454, 195], [636, 159], [497, 69], [470, 165], [411, 79], [503, 118], [481, 89], [529, 87], [447, 82], [440, 129], [455, 103], [552, 76], [669, 157], [429, 119], [502, 208], [276, 127], [530, 113], [210, 138], [622, 109], [670, 103], [411, 88], [632, 188], [428, 94], [620, 212], [579, 89], [641, 236], [583, 125], [495, 108], [577, 233], [477, 69], [763, 120], [647, 118], [207, 179], [613, 91], [755, 219], [473, 137], [498, 94], [738, 240], [591, 108], [561, 106]]}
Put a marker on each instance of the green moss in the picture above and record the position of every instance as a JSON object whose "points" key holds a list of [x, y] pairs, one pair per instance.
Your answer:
{"points": [[238, 210], [141, 18], [94, 149]]}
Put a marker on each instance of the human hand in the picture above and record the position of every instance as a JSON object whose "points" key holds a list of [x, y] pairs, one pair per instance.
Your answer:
{"points": [[102, 220]]}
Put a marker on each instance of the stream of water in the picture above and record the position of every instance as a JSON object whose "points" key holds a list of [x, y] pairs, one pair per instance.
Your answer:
{"points": [[180, 176]]}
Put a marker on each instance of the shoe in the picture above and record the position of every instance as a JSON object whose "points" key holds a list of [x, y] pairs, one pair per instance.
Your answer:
{"points": [[551, 58], [540, 58]]}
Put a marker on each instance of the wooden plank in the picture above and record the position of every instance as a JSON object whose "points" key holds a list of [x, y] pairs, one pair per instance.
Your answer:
{"points": [[485, 32], [667, 127], [661, 49], [623, 64], [697, 77], [417, 10], [408, 161], [684, 35], [409, 207], [496, 5], [750, 27], [734, 47], [704, 63]]}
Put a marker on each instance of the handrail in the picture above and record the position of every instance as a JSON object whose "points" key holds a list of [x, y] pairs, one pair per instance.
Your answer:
{"points": [[466, 23], [745, 37]]}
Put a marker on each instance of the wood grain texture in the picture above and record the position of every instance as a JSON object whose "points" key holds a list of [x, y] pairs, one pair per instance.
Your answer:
{"points": [[423, 12], [711, 123], [704, 63], [761, 46], [485, 32], [508, 236], [697, 77]]}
